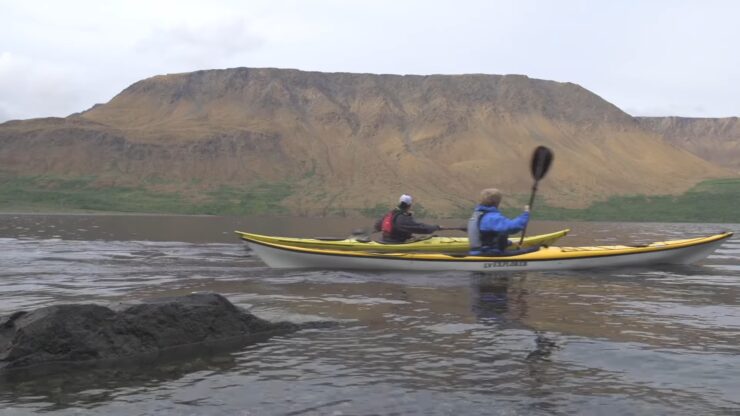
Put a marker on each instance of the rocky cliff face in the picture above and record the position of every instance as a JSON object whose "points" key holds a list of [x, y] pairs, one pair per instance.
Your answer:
{"points": [[356, 140], [714, 139]]}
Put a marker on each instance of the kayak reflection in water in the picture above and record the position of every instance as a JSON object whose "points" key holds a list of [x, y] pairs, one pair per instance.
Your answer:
{"points": [[493, 304], [398, 225], [489, 229], [501, 302]]}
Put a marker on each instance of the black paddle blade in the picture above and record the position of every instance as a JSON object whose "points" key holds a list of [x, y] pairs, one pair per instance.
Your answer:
{"points": [[541, 160]]}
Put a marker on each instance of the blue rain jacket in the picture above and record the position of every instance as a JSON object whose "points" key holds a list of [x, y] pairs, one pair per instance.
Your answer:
{"points": [[494, 220]]}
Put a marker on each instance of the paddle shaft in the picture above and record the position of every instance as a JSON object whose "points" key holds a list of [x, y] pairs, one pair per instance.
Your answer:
{"points": [[531, 202], [453, 229]]}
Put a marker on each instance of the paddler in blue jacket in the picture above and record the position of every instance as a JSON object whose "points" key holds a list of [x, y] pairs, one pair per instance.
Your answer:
{"points": [[489, 229]]}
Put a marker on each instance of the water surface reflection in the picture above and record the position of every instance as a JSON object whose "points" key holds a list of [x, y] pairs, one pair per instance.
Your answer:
{"points": [[625, 341]]}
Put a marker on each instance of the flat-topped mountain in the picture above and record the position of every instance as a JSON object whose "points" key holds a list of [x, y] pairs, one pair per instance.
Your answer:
{"points": [[352, 141]]}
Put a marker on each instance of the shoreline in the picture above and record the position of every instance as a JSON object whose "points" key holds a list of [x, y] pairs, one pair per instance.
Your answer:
{"points": [[308, 217]]}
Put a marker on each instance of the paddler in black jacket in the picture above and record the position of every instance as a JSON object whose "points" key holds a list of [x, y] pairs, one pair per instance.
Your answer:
{"points": [[398, 225]]}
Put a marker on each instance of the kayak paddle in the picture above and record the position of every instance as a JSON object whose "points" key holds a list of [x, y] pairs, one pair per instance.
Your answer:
{"points": [[541, 160], [453, 229]]}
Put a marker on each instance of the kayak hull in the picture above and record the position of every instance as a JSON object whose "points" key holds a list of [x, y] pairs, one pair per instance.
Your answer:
{"points": [[685, 251], [432, 245]]}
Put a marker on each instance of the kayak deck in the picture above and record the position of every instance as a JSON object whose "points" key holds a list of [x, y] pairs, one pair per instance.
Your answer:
{"points": [[682, 251], [430, 244]]}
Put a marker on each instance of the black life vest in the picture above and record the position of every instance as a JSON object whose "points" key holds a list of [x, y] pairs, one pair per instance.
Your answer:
{"points": [[391, 233]]}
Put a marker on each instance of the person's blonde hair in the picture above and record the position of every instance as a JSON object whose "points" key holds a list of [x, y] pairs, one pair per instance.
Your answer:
{"points": [[490, 197]]}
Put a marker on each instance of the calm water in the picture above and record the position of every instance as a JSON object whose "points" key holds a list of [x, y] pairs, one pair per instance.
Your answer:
{"points": [[628, 341]]}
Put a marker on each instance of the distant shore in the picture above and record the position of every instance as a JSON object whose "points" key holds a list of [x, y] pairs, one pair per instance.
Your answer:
{"points": [[712, 201]]}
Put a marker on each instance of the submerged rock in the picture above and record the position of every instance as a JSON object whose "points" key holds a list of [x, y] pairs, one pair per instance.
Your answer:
{"points": [[93, 333]]}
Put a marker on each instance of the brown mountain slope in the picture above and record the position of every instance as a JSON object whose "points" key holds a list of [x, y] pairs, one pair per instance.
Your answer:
{"points": [[714, 139], [356, 140]]}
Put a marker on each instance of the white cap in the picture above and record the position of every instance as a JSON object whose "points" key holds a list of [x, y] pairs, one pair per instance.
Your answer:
{"points": [[405, 199]]}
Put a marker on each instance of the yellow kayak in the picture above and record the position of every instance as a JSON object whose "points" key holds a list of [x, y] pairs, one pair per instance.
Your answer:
{"points": [[432, 244], [685, 251]]}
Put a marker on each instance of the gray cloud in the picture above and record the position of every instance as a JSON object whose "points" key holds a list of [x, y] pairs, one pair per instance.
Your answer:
{"points": [[29, 86], [200, 46], [4, 115], [660, 57]]}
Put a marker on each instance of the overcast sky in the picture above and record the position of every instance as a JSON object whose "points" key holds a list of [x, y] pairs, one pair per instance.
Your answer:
{"points": [[657, 57]]}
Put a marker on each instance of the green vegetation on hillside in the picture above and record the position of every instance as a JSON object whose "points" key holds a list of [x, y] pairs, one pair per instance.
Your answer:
{"points": [[257, 199], [45, 193], [709, 201]]}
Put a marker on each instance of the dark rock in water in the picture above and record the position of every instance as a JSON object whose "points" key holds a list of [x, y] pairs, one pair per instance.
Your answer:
{"points": [[94, 333]]}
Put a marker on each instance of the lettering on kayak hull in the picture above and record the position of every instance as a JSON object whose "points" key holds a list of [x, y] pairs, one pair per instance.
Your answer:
{"points": [[494, 264]]}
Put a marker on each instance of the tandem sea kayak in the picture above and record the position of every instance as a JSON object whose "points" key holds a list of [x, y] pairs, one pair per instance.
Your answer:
{"points": [[684, 251], [431, 244]]}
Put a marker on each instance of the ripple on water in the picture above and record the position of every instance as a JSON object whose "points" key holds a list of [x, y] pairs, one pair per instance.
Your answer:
{"points": [[51, 271], [628, 341], [720, 317]]}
